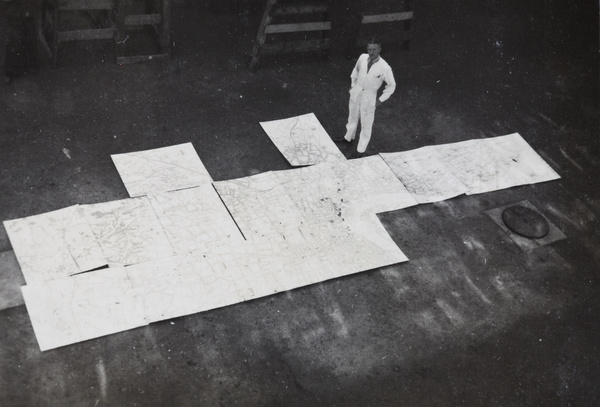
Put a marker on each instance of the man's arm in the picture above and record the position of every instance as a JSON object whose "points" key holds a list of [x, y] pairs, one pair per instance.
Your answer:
{"points": [[390, 85], [354, 75]]}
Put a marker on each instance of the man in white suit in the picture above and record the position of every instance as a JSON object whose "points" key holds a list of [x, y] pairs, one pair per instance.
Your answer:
{"points": [[369, 73]]}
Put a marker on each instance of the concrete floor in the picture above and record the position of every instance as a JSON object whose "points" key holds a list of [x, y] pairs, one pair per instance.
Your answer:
{"points": [[472, 319]]}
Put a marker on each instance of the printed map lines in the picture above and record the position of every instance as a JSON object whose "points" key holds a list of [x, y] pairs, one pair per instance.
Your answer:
{"points": [[186, 247], [302, 140]]}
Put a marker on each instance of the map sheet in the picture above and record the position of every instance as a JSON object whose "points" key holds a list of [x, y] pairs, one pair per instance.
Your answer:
{"points": [[486, 165], [302, 140], [72, 309], [111, 300], [321, 224], [424, 175], [435, 173], [277, 201], [162, 169], [128, 231], [191, 245], [54, 244], [195, 219]]}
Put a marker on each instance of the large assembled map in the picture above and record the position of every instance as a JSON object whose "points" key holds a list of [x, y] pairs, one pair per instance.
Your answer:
{"points": [[183, 244]]}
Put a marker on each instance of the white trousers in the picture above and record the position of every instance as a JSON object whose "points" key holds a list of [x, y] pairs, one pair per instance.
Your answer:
{"points": [[361, 106]]}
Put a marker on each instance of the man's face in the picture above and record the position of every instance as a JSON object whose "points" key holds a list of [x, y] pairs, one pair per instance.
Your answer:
{"points": [[373, 50]]}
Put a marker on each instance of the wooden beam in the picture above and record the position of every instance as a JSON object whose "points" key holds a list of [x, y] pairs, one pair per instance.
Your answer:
{"points": [[286, 10], [261, 35], [297, 27], [165, 35], [140, 58], [296, 46], [84, 4], [384, 18], [143, 19], [97, 34], [44, 43]]}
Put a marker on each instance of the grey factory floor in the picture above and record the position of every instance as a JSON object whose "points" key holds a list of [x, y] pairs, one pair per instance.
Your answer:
{"points": [[472, 319]]}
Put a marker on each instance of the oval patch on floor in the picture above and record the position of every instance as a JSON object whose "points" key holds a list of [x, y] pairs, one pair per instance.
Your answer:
{"points": [[525, 222]]}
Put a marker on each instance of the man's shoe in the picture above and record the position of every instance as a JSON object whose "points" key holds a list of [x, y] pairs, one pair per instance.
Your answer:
{"points": [[340, 139]]}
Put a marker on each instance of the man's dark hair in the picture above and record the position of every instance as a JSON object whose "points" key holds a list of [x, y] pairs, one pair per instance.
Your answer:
{"points": [[374, 40]]}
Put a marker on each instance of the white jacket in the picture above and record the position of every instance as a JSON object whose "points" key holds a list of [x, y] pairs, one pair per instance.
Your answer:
{"points": [[373, 79]]}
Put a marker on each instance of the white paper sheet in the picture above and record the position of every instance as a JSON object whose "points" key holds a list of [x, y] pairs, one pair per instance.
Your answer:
{"points": [[372, 185], [435, 173], [302, 140], [186, 253], [73, 309], [424, 175], [276, 202], [162, 169], [85, 306], [54, 244], [195, 219], [128, 231], [486, 165]]}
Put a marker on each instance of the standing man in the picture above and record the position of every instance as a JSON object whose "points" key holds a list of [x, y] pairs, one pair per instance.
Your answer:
{"points": [[368, 75]]}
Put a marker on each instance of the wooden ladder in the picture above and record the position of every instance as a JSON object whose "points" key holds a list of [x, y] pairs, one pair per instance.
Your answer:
{"points": [[291, 35], [95, 13], [124, 21], [143, 30]]}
